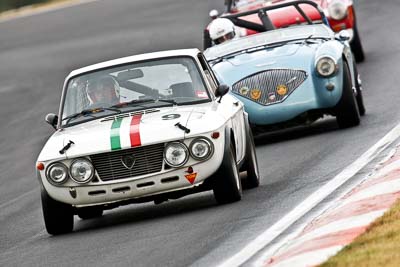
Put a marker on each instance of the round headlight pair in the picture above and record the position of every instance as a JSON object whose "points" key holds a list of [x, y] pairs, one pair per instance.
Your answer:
{"points": [[57, 173], [337, 10], [326, 66], [201, 148], [81, 171], [176, 154]]}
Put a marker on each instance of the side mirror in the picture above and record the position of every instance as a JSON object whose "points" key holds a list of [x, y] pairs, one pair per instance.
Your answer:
{"points": [[222, 90], [213, 14], [343, 35], [52, 119]]}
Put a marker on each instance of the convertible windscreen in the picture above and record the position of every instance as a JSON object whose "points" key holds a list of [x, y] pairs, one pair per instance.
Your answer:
{"points": [[149, 84], [266, 38]]}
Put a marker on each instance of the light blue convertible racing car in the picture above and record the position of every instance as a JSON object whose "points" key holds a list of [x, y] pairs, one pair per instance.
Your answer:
{"points": [[291, 76]]}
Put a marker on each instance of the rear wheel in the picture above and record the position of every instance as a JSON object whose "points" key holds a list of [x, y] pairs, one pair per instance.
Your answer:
{"points": [[356, 46], [347, 114], [58, 216], [89, 213], [227, 185]]}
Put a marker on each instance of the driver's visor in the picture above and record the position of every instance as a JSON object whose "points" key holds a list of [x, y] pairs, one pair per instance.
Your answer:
{"points": [[226, 37]]}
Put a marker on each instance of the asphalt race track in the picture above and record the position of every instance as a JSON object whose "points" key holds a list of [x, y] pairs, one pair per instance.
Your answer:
{"points": [[37, 52]]}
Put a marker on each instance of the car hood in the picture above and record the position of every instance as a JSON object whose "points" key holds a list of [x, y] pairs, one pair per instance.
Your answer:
{"points": [[114, 133], [290, 56]]}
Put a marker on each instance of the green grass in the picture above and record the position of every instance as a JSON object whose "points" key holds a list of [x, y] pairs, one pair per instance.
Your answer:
{"points": [[378, 246], [13, 4]]}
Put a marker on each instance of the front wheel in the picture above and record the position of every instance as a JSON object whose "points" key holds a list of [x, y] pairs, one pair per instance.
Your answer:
{"points": [[227, 185], [359, 97], [253, 175], [347, 114], [58, 216], [356, 46]]}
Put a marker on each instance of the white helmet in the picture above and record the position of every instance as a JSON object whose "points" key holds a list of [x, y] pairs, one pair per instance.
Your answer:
{"points": [[104, 89], [221, 30]]}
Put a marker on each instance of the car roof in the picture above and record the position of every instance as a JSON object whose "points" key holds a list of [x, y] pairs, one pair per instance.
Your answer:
{"points": [[192, 52]]}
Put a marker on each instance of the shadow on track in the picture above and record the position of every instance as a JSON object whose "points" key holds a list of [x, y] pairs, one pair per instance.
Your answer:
{"points": [[324, 126]]}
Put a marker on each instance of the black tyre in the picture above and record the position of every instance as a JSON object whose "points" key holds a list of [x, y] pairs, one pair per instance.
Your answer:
{"points": [[89, 213], [227, 185], [251, 165], [356, 46], [359, 97], [347, 114], [58, 216]]}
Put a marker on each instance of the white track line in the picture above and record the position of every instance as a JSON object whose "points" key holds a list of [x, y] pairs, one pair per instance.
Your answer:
{"points": [[313, 200]]}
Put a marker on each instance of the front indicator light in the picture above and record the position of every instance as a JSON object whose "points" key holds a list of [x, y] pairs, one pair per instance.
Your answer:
{"points": [[40, 166]]}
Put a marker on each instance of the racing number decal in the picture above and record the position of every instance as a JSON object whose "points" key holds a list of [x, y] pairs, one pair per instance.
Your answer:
{"points": [[115, 137], [134, 131]]}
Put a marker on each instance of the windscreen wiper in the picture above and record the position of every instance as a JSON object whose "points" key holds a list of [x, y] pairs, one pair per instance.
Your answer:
{"points": [[89, 112], [134, 102], [171, 101]]}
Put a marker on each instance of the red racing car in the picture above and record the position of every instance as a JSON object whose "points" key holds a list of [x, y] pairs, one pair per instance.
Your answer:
{"points": [[340, 13]]}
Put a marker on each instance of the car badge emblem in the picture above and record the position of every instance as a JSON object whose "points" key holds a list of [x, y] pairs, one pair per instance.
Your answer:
{"points": [[128, 161], [271, 97], [255, 94], [281, 89], [244, 90]]}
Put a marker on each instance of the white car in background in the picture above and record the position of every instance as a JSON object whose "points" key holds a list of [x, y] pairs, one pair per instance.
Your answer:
{"points": [[169, 130]]}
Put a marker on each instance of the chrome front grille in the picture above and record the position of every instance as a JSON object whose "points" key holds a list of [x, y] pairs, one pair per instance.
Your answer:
{"points": [[262, 87], [147, 160]]}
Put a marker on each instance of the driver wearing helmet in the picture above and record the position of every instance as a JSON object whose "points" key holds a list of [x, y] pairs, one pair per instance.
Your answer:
{"points": [[103, 92], [221, 30]]}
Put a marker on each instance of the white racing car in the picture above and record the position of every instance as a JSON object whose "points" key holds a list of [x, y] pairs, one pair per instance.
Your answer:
{"points": [[150, 127]]}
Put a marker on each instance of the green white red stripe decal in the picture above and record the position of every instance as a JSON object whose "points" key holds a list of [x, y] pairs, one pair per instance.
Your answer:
{"points": [[115, 136], [134, 132]]}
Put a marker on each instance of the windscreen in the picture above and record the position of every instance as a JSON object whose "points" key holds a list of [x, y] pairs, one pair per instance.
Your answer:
{"points": [[118, 89]]}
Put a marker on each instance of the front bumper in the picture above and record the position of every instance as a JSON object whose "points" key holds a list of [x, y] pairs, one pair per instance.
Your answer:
{"points": [[102, 193], [311, 95]]}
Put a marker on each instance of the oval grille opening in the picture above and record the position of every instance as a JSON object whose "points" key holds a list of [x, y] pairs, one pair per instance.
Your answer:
{"points": [[263, 87]]}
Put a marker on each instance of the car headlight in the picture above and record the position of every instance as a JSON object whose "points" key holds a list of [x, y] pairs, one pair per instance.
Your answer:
{"points": [[81, 171], [337, 10], [57, 173], [176, 154], [201, 148], [326, 66]]}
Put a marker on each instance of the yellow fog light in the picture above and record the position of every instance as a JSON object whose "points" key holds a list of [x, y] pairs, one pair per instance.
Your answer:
{"points": [[281, 89]]}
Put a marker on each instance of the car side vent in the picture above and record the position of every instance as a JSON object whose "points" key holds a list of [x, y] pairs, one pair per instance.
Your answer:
{"points": [[130, 114]]}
